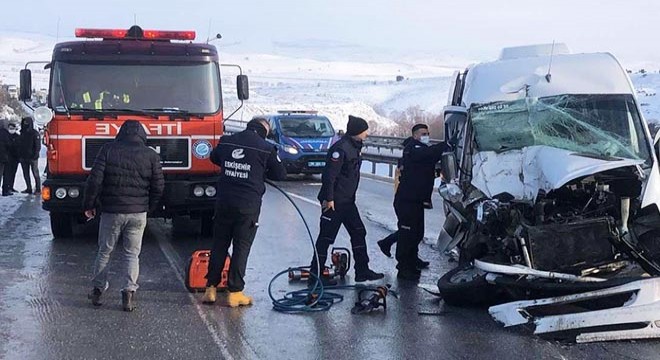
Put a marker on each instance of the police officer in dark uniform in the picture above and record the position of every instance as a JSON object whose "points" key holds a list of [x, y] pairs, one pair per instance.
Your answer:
{"points": [[340, 180], [11, 166], [415, 188], [246, 159]]}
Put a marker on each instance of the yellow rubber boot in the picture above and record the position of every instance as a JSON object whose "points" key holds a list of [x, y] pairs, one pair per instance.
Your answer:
{"points": [[235, 299], [210, 295]]}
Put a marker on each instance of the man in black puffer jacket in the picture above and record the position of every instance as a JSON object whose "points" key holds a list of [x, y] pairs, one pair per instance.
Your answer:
{"points": [[29, 146], [126, 181]]}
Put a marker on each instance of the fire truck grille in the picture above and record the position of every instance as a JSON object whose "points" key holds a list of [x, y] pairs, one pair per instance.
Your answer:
{"points": [[174, 153]]}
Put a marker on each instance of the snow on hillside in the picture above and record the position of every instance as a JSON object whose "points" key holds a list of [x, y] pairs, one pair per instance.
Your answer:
{"points": [[17, 49], [334, 79], [372, 100], [335, 88], [647, 86]]}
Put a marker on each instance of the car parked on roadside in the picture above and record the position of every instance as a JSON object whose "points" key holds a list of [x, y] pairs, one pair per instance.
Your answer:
{"points": [[302, 138]]}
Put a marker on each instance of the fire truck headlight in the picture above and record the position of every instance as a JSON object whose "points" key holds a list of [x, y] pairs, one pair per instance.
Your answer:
{"points": [[210, 191], [60, 193], [42, 115], [198, 191], [74, 192]]}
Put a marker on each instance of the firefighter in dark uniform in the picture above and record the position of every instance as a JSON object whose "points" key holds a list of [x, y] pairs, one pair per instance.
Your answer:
{"points": [[246, 160], [340, 180], [415, 188]]}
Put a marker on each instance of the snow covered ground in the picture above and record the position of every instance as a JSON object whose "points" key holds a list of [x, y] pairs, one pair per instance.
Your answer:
{"points": [[9, 204]]}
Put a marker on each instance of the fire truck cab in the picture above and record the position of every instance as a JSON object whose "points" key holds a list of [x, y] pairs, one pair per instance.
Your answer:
{"points": [[160, 78]]}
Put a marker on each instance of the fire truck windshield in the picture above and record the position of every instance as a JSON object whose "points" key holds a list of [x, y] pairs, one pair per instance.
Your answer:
{"points": [[191, 88]]}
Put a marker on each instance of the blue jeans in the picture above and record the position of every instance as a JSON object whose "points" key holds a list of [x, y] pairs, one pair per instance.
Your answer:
{"points": [[131, 228]]}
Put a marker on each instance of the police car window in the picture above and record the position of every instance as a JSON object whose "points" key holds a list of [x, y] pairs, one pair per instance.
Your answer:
{"points": [[306, 127], [191, 87]]}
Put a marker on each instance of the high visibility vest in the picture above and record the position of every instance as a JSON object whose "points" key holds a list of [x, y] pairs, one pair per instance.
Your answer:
{"points": [[86, 101], [98, 104]]}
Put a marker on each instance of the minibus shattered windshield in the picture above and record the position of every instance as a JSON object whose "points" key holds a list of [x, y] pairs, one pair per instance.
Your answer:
{"points": [[603, 126]]}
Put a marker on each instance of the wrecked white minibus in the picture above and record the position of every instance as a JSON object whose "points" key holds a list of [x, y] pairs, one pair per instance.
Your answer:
{"points": [[553, 186]]}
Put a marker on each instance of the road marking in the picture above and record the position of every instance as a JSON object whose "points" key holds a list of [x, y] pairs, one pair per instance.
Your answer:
{"points": [[377, 180], [173, 259], [302, 198]]}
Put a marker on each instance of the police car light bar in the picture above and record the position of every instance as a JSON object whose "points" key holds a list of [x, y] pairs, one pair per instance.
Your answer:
{"points": [[314, 112], [146, 34]]}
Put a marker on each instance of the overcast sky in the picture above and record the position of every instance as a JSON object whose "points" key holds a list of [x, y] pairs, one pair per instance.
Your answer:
{"points": [[474, 29]]}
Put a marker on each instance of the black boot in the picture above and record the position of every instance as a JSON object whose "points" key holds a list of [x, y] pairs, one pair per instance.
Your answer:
{"points": [[368, 275], [421, 264], [384, 247], [95, 296], [128, 300]]}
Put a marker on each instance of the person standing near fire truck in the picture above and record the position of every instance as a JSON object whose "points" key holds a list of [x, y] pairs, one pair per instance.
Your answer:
{"points": [[29, 146], [9, 175], [246, 160], [127, 181]]}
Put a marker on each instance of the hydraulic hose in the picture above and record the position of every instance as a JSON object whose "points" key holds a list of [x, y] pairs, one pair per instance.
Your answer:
{"points": [[313, 299]]}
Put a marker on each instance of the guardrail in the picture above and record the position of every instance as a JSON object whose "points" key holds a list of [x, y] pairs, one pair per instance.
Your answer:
{"points": [[377, 149]]}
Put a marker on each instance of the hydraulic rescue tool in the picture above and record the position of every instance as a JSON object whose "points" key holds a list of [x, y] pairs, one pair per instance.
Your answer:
{"points": [[377, 299], [341, 262], [316, 297]]}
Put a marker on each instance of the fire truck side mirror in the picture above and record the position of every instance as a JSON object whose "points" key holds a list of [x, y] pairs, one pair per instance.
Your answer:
{"points": [[242, 87], [25, 92]]}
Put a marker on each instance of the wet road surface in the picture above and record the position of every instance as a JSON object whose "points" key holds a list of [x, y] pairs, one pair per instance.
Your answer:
{"points": [[44, 312]]}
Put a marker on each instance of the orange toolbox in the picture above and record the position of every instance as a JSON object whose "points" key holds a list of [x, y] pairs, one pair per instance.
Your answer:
{"points": [[197, 268]]}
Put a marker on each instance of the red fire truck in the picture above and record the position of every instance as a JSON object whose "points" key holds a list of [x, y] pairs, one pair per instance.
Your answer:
{"points": [[160, 78]]}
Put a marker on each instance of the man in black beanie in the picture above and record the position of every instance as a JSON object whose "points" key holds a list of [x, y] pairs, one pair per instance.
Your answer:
{"points": [[340, 180], [246, 160]]}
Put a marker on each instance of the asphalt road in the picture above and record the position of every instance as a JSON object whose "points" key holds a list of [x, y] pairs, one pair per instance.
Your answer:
{"points": [[44, 312]]}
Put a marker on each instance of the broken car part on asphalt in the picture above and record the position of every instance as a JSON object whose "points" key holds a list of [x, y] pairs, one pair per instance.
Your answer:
{"points": [[637, 317]]}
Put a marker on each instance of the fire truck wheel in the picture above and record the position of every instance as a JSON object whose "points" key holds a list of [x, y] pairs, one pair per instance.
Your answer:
{"points": [[61, 225], [207, 226]]}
